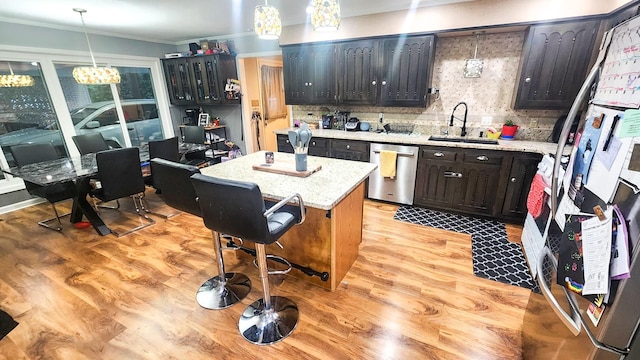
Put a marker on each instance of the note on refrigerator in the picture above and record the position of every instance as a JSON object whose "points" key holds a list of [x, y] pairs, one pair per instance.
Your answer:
{"points": [[596, 248], [607, 165]]}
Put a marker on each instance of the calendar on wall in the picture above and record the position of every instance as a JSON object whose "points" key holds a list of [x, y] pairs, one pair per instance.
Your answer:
{"points": [[619, 83]]}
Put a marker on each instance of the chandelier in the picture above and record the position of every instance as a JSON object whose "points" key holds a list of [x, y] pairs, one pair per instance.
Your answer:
{"points": [[15, 80], [266, 22], [326, 15], [94, 75]]}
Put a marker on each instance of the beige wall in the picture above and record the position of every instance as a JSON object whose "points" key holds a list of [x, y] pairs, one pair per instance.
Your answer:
{"points": [[454, 16]]}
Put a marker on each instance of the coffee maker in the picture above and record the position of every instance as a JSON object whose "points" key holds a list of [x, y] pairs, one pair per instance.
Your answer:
{"points": [[192, 117]]}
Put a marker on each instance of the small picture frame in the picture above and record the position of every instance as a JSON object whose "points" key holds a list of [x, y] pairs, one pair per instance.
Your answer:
{"points": [[203, 120]]}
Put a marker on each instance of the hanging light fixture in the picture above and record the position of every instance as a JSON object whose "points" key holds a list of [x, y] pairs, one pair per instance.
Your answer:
{"points": [[15, 80], [266, 22], [94, 75], [326, 15]]}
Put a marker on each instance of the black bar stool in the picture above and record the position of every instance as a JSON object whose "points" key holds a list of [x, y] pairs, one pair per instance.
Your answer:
{"points": [[237, 208], [178, 192]]}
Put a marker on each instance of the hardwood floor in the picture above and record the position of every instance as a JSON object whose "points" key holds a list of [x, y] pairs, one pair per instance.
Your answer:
{"points": [[411, 294]]}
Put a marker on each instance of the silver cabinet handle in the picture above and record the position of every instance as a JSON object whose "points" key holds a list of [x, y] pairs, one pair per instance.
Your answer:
{"points": [[384, 82], [313, 143], [348, 147], [287, 141], [527, 80], [438, 154], [482, 158], [513, 180], [410, 154], [373, 82], [310, 84], [452, 174]]}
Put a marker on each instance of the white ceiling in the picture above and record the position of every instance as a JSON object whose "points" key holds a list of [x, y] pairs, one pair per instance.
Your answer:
{"points": [[178, 21]]}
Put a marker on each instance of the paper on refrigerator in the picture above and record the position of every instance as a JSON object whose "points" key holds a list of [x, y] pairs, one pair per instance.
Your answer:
{"points": [[607, 164], [596, 248]]}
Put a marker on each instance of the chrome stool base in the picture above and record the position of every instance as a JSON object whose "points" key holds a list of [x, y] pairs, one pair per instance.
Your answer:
{"points": [[263, 327], [216, 294]]}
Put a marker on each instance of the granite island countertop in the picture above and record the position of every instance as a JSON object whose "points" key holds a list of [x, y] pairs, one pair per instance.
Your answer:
{"points": [[323, 189], [504, 145]]}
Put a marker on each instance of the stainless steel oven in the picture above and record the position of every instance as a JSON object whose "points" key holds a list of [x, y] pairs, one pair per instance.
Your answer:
{"points": [[398, 189]]}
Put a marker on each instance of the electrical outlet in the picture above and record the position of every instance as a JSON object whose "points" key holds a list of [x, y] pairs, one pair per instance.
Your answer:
{"points": [[533, 123], [486, 120]]}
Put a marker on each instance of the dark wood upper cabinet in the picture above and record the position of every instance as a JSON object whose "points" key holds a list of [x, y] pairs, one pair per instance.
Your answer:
{"points": [[200, 79], [554, 64], [392, 71], [407, 66], [309, 74], [358, 72], [178, 81]]}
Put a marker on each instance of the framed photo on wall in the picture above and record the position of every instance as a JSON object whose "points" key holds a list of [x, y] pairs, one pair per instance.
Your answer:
{"points": [[203, 120]]}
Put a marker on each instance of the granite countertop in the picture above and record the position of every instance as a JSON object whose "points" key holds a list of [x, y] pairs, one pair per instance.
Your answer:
{"points": [[323, 189], [504, 145]]}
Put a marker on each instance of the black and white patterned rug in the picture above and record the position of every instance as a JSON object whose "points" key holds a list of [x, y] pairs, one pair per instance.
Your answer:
{"points": [[494, 257]]}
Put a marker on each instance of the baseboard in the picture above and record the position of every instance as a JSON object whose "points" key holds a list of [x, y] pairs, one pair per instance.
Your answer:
{"points": [[20, 205]]}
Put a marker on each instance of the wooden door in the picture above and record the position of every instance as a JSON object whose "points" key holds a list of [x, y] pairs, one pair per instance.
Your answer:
{"points": [[320, 78], [406, 69], [357, 73], [178, 81], [436, 179], [296, 91], [555, 62], [523, 169], [478, 192]]}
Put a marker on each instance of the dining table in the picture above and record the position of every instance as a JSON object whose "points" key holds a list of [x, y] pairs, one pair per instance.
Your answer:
{"points": [[80, 170]]}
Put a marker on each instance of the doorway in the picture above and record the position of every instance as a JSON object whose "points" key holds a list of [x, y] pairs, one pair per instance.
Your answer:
{"points": [[260, 127]]}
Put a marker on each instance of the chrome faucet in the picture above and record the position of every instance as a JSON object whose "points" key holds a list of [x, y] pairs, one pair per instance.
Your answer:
{"points": [[464, 120]]}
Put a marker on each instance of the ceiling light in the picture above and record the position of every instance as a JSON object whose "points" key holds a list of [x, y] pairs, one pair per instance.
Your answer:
{"points": [[326, 15], [15, 80], [93, 75], [266, 22]]}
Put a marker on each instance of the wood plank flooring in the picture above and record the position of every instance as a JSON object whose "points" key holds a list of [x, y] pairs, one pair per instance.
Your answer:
{"points": [[411, 294]]}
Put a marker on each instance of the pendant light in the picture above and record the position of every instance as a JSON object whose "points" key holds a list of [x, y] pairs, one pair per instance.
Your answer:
{"points": [[15, 80], [266, 22], [94, 75], [326, 15]]}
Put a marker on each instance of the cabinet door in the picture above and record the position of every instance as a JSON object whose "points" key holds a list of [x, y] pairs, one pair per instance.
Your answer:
{"points": [[226, 70], [178, 81], [523, 169], [309, 74], [436, 179], [357, 73], [554, 64], [321, 76], [203, 76], [283, 144], [479, 182], [406, 69]]}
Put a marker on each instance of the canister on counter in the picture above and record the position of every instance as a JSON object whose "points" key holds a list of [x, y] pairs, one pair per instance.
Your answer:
{"points": [[268, 157]]}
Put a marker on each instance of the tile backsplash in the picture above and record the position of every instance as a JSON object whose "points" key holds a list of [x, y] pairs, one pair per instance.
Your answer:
{"points": [[489, 95]]}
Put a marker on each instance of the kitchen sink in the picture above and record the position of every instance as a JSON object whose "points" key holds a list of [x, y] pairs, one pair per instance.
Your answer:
{"points": [[464, 140]]}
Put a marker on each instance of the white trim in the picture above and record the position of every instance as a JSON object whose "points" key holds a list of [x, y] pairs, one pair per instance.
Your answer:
{"points": [[10, 184], [20, 205]]}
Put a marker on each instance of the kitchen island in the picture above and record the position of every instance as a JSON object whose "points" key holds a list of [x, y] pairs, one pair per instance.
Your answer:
{"points": [[329, 239]]}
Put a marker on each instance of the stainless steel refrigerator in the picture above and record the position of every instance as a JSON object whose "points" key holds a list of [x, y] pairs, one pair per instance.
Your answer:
{"points": [[584, 182]]}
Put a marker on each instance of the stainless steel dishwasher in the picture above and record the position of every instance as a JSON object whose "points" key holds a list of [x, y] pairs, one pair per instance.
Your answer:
{"points": [[398, 189]]}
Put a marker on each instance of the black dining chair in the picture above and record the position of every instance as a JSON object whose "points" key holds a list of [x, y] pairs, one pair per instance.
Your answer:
{"points": [[35, 153], [120, 176], [237, 209], [90, 143], [218, 292], [162, 149]]}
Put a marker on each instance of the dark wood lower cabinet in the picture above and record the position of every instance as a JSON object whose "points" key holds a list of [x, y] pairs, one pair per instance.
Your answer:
{"points": [[487, 183], [523, 169]]}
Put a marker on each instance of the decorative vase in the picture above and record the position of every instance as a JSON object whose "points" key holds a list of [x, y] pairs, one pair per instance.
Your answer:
{"points": [[508, 131]]}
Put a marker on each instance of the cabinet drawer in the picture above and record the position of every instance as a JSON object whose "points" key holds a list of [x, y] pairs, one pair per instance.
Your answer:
{"points": [[482, 157], [318, 143], [351, 145], [430, 153]]}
